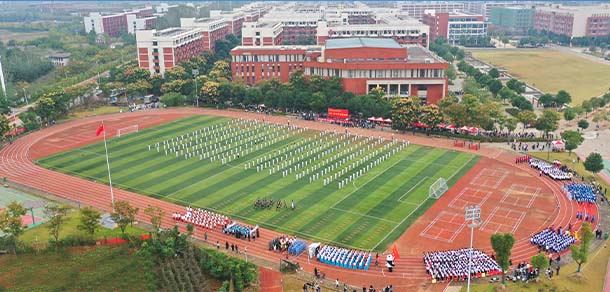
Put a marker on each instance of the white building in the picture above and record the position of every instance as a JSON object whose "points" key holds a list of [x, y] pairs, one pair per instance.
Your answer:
{"points": [[164, 49]]}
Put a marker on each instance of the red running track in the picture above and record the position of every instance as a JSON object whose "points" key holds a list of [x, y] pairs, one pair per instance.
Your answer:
{"points": [[16, 163]]}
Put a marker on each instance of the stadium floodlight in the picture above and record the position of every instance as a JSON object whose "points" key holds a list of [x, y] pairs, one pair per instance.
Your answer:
{"points": [[473, 215], [2, 79]]}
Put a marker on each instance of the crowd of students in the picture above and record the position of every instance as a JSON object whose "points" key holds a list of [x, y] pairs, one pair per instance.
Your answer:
{"points": [[345, 258], [240, 231], [453, 264], [550, 169], [291, 244], [201, 218], [580, 192], [554, 240]]}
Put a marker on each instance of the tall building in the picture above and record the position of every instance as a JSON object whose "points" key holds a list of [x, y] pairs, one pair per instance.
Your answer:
{"points": [[113, 24], [485, 7], [455, 25], [164, 49], [262, 34], [514, 19], [212, 29], [417, 9], [363, 64], [573, 21], [402, 32]]}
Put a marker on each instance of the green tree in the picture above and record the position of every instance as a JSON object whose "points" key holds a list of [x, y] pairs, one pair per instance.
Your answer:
{"points": [[494, 73], [511, 124], [586, 105], [450, 72], [506, 94], [124, 214], [572, 140], [562, 97], [569, 114], [502, 245], [494, 86], [89, 220], [527, 117], [10, 222], [540, 262], [547, 100], [548, 122], [4, 126], [431, 115], [57, 217], [583, 124], [405, 112], [580, 253], [516, 85], [156, 216], [173, 99], [594, 162]]}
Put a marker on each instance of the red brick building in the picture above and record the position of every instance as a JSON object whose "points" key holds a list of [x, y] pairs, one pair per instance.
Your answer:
{"points": [[113, 24], [573, 21], [213, 29], [362, 64], [453, 26], [161, 50]]}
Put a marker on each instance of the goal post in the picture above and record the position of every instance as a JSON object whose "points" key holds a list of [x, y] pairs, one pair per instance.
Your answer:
{"points": [[127, 130], [438, 188]]}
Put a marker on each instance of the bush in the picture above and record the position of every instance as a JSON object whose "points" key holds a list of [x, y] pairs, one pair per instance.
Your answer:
{"points": [[513, 111], [221, 266], [75, 240]]}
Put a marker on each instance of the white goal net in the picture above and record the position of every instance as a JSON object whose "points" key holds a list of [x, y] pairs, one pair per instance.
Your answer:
{"points": [[438, 188], [127, 130]]}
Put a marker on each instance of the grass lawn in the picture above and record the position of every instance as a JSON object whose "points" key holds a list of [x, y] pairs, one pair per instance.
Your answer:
{"points": [[594, 271], [566, 159], [6, 35], [81, 269], [83, 113], [383, 201], [551, 71], [40, 233]]}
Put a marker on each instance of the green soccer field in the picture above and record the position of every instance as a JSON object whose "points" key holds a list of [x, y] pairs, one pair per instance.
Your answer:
{"points": [[367, 212]]}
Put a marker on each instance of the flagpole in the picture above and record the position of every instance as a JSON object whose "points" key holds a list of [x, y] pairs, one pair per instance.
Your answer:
{"points": [[108, 165]]}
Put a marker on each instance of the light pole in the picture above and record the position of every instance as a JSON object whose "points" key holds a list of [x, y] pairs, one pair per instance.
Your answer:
{"points": [[25, 97], [195, 74], [473, 214], [2, 80]]}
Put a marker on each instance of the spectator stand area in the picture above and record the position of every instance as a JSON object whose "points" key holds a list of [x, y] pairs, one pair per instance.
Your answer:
{"points": [[452, 265]]}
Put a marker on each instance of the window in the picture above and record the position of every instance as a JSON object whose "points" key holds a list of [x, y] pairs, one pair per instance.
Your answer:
{"points": [[154, 43]]}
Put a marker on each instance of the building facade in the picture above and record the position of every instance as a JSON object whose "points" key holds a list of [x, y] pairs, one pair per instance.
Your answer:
{"points": [[363, 64], [515, 19], [60, 59], [114, 24], [262, 34], [573, 21], [418, 9], [211, 29], [161, 50], [401, 32], [455, 26]]}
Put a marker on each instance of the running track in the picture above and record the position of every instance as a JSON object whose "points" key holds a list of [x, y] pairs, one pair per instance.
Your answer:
{"points": [[16, 164]]}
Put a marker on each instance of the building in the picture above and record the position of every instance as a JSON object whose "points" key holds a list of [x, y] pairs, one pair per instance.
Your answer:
{"points": [[485, 7], [60, 59], [417, 9], [403, 33], [262, 34], [573, 21], [235, 19], [114, 24], [514, 19], [164, 49], [362, 64], [455, 25], [212, 29]]}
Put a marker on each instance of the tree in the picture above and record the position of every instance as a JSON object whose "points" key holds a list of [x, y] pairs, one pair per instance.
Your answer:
{"points": [[504, 40], [548, 122], [124, 214], [89, 220], [210, 91], [156, 216], [173, 99], [405, 112], [569, 114], [450, 72], [5, 126], [494, 73], [562, 97], [547, 100], [516, 85], [580, 253], [586, 105], [431, 115], [10, 221], [506, 93], [583, 124], [502, 245], [594, 162], [527, 117], [511, 124], [572, 140], [540, 262], [57, 217], [494, 86]]}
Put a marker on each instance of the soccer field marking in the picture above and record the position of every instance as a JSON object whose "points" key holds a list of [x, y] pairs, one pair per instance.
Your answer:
{"points": [[412, 188], [490, 178], [513, 195], [506, 222], [364, 215], [400, 223], [459, 169], [370, 180], [479, 198], [440, 230]]}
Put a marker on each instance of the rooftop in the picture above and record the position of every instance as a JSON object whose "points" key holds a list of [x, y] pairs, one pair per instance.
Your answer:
{"points": [[170, 32], [347, 43], [418, 54]]}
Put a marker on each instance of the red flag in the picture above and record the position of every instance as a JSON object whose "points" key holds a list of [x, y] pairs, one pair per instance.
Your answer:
{"points": [[395, 252], [99, 130]]}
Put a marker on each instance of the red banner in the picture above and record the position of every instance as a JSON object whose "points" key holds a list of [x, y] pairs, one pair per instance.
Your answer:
{"points": [[338, 113]]}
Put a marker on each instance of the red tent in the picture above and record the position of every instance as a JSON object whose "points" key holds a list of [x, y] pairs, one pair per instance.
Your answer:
{"points": [[451, 127], [465, 128], [387, 120], [372, 119], [473, 129]]}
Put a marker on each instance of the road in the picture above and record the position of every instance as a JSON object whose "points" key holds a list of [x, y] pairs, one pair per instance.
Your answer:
{"points": [[578, 53]]}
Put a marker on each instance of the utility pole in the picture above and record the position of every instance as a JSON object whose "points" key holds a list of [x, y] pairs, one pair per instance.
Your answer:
{"points": [[2, 79], [473, 214], [195, 73]]}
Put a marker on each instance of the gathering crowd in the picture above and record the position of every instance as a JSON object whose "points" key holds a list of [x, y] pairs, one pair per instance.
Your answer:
{"points": [[580, 193], [551, 169], [553, 240], [201, 218], [291, 244], [241, 231], [345, 258], [453, 264]]}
